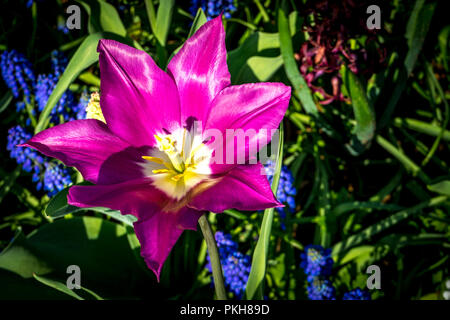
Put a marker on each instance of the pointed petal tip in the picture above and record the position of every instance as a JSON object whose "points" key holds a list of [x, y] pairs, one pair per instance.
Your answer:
{"points": [[200, 69], [30, 144], [155, 267], [218, 19], [104, 43], [25, 144], [279, 205]]}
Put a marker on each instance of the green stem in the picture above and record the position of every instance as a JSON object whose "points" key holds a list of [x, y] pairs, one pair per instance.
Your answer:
{"points": [[214, 257]]}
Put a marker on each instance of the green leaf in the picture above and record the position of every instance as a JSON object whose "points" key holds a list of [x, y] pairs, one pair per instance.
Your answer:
{"points": [[422, 127], [301, 89], [430, 296], [444, 35], [58, 207], [199, 20], [409, 165], [84, 56], [384, 224], [99, 247], [163, 20], [257, 59], [363, 111], [433, 80], [127, 219], [416, 31], [8, 181], [357, 205], [64, 289], [103, 17], [263, 68], [326, 221], [442, 187], [5, 101], [17, 257], [58, 286], [14, 287], [255, 283], [236, 214], [355, 253], [89, 78], [151, 14]]}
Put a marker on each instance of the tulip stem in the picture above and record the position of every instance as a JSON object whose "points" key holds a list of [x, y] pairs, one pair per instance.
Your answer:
{"points": [[214, 257]]}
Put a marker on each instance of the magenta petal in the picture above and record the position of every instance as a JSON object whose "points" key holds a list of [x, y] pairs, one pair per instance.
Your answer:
{"points": [[247, 107], [84, 144], [123, 166], [136, 197], [138, 99], [244, 188], [200, 70], [159, 233]]}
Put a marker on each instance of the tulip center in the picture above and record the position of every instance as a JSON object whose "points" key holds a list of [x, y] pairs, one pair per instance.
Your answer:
{"points": [[178, 163]]}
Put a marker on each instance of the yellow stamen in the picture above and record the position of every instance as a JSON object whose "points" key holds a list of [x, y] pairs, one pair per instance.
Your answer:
{"points": [[93, 110], [182, 146], [160, 171], [153, 159], [177, 177], [174, 168], [165, 144]]}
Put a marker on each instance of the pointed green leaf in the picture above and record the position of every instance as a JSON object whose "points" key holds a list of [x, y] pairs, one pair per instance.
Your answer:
{"points": [[442, 187], [301, 89], [163, 20], [363, 111], [5, 101], [384, 224], [63, 287], [150, 8], [103, 17], [57, 285], [255, 284], [199, 20], [58, 207], [416, 32], [17, 257]]}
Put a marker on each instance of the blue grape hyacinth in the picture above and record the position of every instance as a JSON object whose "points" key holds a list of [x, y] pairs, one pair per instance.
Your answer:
{"points": [[286, 190], [61, 25], [30, 159], [225, 244], [316, 261], [18, 74], [236, 265], [357, 294], [236, 269], [56, 178], [320, 289], [79, 109], [66, 108], [47, 175], [213, 8]]}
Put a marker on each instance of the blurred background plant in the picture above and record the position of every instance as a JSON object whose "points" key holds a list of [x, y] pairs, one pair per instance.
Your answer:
{"points": [[363, 171]]}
